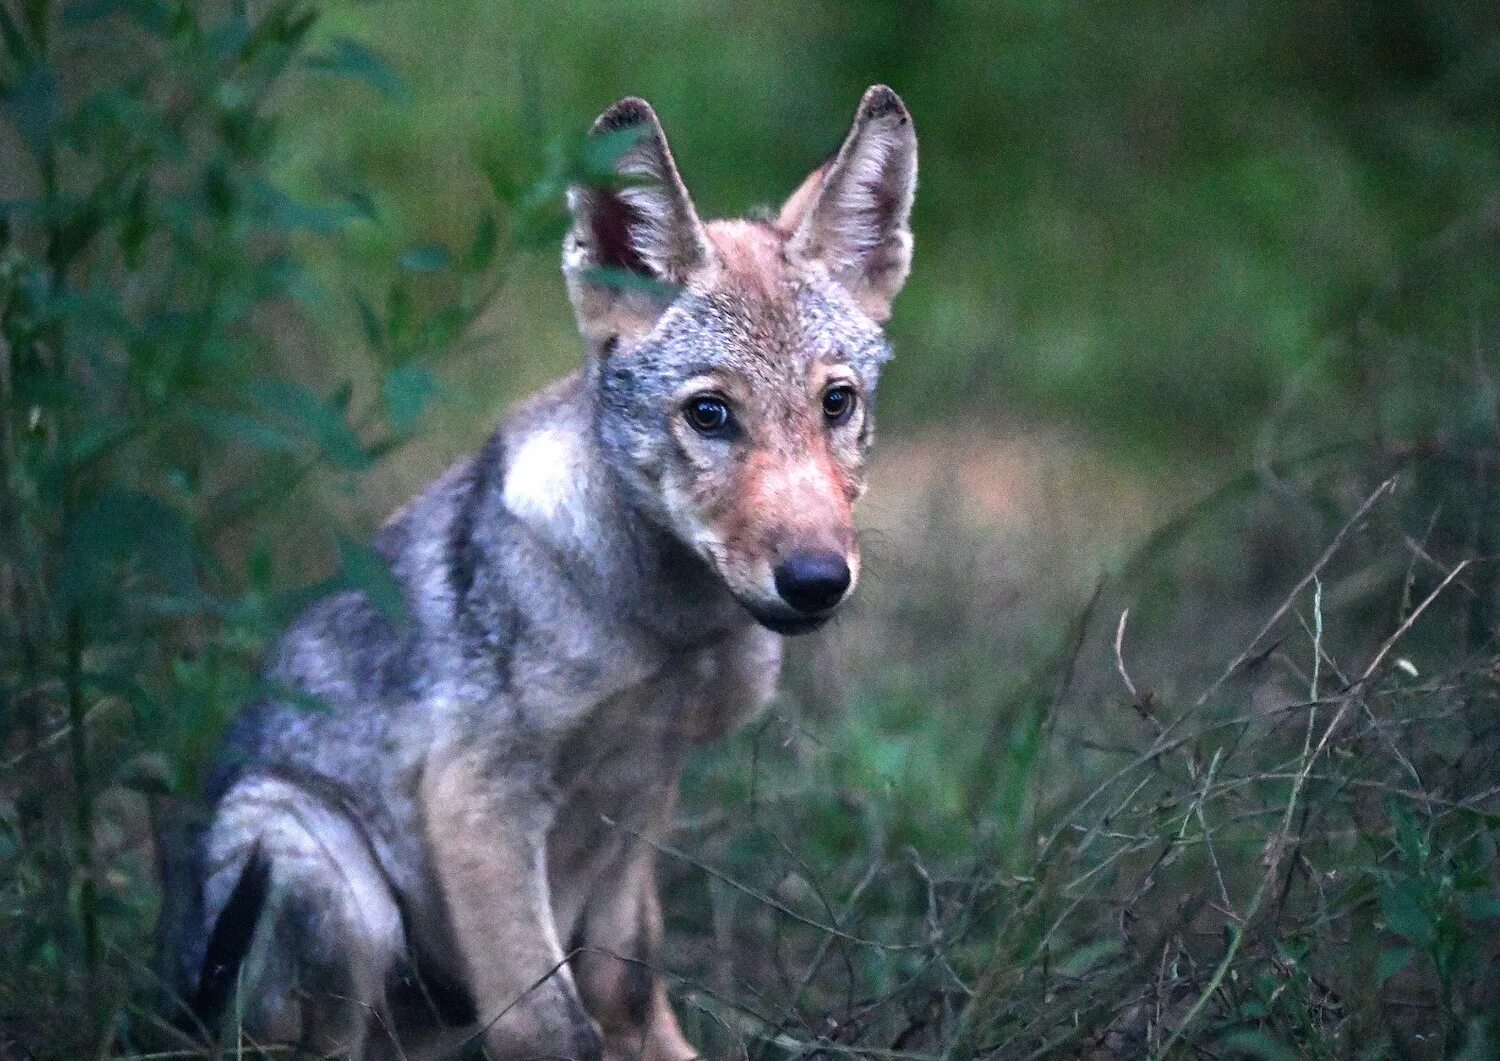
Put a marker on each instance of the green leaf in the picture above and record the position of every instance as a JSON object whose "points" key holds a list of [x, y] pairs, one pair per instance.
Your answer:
{"points": [[1089, 956], [33, 107], [98, 438], [1411, 840], [494, 164], [363, 569], [1481, 907], [123, 685], [432, 258], [352, 193], [348, 57], [119, 527], [544, 227], [597, 158], [77, 228], [229, 424], [616, 279], [275, 34], [150, 773], [404, 393], [486, 239], [15, 42], [443, 328], [1404, 914], [297, 410], [279, 212], [374, 332], [1392, 961], [383, 447], [1257, 1043], [398, 312], [137, 224]]}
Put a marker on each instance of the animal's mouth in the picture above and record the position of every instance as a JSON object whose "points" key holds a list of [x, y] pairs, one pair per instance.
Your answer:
{"points": [[769, 611], [788, 623]]}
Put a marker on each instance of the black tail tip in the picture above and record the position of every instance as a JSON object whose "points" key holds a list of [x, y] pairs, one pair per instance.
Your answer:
{"points": [[233, 932]]}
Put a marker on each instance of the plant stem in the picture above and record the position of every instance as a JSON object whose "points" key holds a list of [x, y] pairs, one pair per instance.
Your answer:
{"points": [[83, 807]]}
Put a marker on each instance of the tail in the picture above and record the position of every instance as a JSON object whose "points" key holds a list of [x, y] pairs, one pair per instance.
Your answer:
{"points": [[234, 930]]}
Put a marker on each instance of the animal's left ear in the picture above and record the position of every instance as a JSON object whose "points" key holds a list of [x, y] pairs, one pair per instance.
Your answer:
{"points": [[853, 214]]}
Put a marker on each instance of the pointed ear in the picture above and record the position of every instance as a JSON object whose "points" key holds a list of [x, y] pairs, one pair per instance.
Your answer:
{"points": [[635, 235], [853, 214]]}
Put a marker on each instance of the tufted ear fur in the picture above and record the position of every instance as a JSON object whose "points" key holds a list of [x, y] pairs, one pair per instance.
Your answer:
{"points": [[853, 213], [635, 235]]}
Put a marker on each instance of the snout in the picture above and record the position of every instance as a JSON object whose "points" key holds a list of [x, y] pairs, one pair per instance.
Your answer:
{"points": [[784, 542], [812, 583]]}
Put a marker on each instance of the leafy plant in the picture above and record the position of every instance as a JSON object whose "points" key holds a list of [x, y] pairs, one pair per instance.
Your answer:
{"points": [[161, 413]]}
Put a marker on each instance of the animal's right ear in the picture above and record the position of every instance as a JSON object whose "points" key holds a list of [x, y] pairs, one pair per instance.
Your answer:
{"points": [[636, 237]]}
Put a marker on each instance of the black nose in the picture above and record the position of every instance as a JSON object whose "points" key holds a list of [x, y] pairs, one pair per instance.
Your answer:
{"points": [[812, 582]]}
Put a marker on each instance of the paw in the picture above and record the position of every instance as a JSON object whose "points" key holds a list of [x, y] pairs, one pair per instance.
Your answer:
{"points": [[557, 1036]]}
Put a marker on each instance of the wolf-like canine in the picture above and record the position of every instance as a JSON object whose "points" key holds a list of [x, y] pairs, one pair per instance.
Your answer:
{"points": [[459, 844]]}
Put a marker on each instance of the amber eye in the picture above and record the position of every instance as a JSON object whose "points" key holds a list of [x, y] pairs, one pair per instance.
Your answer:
{"points": [[838, 403], [707, 414]]}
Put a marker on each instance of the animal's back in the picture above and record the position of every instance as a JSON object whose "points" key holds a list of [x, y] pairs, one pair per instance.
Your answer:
{"points": [[343, 681], [345, 715]]}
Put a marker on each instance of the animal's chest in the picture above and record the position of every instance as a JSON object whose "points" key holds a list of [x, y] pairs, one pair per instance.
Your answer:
{"points": [[616, 776], [622, 759]]}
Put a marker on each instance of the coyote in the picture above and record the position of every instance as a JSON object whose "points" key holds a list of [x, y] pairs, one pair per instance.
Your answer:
{"points": [[459, 844]]}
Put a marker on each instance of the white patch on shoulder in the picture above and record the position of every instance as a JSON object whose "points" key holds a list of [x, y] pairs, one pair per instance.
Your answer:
{"points": [[544, 481]]}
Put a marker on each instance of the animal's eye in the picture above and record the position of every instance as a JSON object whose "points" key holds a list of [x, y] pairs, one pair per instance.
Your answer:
{"points": [[838, 403], [707, 414]]}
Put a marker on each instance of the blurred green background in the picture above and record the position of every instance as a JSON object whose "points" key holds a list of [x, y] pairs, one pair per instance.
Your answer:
{"points": [[1137, 219]]}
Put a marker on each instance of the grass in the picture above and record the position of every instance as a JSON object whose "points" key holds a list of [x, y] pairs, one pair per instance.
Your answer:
{"points": [[1281, 846]]}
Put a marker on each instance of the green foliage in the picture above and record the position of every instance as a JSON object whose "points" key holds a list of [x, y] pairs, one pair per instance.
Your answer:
{"points": [[156, 428]]}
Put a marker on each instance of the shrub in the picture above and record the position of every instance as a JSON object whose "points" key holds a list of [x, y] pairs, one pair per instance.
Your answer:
{"points": [[173, 467]]}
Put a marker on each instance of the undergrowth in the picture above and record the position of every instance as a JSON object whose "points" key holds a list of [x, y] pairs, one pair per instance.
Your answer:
{"points": [[178, 475], [1246, 807]]}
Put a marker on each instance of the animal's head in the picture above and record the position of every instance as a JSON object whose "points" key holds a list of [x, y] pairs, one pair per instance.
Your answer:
{"points": [[734, 363]]}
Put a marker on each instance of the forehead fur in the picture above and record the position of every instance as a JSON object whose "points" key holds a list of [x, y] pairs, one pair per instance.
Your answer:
{"points": [[754, 312], [770, 307], [751, 258]]}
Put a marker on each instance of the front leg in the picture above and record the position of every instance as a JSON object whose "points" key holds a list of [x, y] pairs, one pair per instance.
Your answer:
{"points": [[487, 830], [616, 970]]}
